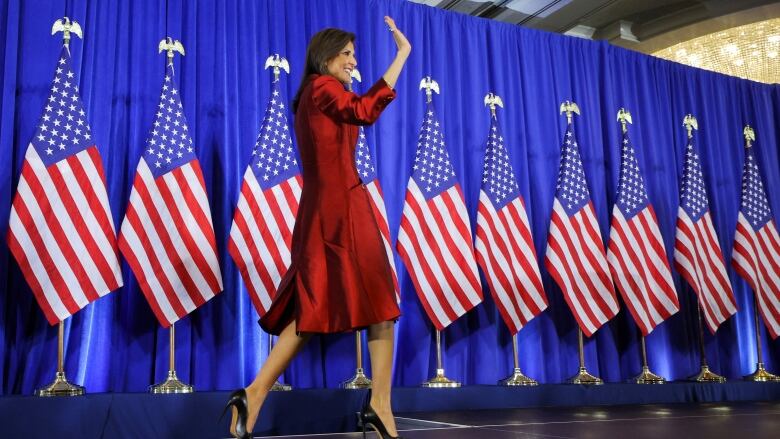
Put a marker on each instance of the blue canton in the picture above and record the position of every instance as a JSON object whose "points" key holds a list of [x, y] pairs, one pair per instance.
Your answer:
{"points": [[755, 206], [693, 199], [572, 188], [169, 145], [498, 179], [63, 129], [273, 157], [363, 162], [432, 170], [632, 196]]}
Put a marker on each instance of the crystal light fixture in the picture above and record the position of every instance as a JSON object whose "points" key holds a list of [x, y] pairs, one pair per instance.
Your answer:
{"points": [[751, 51]]}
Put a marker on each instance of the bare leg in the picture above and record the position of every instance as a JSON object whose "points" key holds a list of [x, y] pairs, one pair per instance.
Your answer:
{"points": [[380, 347], [287, 345]]}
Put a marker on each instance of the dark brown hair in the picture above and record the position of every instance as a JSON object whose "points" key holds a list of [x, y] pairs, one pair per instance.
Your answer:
{"points": [[323, 46]]}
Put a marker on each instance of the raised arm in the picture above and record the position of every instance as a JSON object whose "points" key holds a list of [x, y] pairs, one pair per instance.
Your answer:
{"points": [[347, 107], [403, 51]]}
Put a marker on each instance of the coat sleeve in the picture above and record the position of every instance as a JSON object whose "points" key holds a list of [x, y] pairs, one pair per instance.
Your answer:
{"points": [[346, 107]]}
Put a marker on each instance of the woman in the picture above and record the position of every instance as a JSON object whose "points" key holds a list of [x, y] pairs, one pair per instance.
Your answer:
{"points": [[339, 278]]}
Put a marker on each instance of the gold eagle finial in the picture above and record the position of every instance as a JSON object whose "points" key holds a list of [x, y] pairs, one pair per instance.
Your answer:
{"points": [[170, 45], [493, 100], [569, 108], [430, 86], [66, 26]]}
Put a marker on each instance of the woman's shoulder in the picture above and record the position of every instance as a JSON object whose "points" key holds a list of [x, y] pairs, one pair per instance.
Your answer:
{"points": [[324, 80], [326, 89], [326, 85]]}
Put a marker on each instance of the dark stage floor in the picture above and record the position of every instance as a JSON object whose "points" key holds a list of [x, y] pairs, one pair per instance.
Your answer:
{"points": [[750, 420]]}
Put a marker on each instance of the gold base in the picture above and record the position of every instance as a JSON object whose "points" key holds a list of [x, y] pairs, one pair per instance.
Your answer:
{"points": [[440, 381], [518, 379], [705, 375], [583, 377], [171, 385], [647, 377], [60, 387], [359, 381], [761, 375], [279, 387]]}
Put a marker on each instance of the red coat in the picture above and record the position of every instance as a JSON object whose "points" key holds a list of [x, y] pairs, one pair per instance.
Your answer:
{"points": [[339, 277]]}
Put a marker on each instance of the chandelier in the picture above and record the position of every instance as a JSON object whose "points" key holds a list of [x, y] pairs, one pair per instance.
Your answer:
{"points": [[751, 51]]}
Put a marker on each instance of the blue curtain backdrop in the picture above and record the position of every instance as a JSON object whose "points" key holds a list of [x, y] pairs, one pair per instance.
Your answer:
{"points": [[116, 344]]}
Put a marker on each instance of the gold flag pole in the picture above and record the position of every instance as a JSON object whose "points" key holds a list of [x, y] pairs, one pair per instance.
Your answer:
{"points": [[171, 383], [646, 376], [705, 374], [277, 386], [60, 386], [582, 376], [440, 381], [359, 380], [761, 374], [277, 63], [517, 378]]}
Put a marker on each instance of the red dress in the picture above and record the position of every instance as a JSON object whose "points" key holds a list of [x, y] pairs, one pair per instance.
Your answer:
{"points": [[339, 277]]}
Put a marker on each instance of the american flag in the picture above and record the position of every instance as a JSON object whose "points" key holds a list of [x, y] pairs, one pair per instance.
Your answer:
{"points": [[756, 255], [365, 167], [697, 254], [263, 221], [435, 236], [504, 247], [575, 254], [61, 231], [636, 252], [167, 236]]}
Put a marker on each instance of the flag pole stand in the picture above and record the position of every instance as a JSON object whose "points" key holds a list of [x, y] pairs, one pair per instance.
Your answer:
{"points": [[761, 374], [647, 377], [172, 383], [583, 376], [705, 375], [277, 385], [517, 378], [60, 386], [359, 380], [440, 381]]}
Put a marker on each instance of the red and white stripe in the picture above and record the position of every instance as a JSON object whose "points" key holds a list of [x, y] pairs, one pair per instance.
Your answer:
{"points": [[435, 244], [380, 213], [505, 251], [637, 260], [576, 260], [168, 240], [756, 258], [261, 235], [62, 234], [697, 256]]}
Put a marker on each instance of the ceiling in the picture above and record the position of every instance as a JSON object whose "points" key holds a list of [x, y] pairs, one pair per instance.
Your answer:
{"points": [[643, 25]]}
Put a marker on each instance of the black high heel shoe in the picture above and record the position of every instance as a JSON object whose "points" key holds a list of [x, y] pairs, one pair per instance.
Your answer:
{"points": [[369, 417], [237, 399]]}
